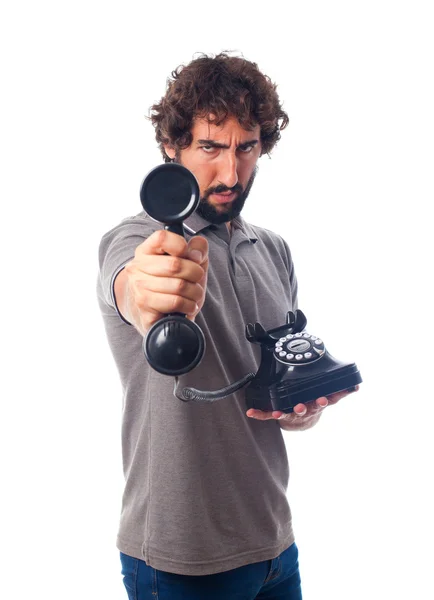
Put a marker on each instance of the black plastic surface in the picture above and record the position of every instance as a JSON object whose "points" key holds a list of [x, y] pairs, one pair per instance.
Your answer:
{"points": [[169, 193]]}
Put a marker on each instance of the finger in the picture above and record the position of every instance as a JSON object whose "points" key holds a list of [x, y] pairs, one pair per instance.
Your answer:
{"points": [[170, 285], [260, 415], [311, 408], [321, 402], [168, 303], [197, 250], [300, 410], [163, 242], [170, 266]]}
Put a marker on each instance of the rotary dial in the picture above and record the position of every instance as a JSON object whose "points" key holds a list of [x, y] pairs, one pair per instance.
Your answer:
{"points": [[299, 349]]}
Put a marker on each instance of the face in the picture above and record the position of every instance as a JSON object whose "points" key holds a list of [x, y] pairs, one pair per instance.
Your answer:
{"points": [[223, 159]]}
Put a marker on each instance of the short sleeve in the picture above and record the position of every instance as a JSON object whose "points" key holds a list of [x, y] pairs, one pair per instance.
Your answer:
{"points": [[117, 248]]}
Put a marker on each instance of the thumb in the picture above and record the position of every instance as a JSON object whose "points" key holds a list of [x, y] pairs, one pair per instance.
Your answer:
{"points": [[197, 250]]}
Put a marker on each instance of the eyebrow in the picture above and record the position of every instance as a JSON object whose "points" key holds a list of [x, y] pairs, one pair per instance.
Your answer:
{"points": [[215, 144]]}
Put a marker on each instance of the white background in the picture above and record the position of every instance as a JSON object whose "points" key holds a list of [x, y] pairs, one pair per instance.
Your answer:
{"points": [[349, 186]]}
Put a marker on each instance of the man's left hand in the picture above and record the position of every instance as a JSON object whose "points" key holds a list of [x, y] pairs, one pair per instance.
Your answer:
{"points": [[304, 416]]}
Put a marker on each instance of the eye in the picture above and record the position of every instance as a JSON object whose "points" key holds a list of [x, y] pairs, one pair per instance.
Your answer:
{"points": [[246, 149], [207, 149]]}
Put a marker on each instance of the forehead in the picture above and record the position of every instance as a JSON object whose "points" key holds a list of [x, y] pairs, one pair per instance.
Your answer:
{"points": [[229, 129]]}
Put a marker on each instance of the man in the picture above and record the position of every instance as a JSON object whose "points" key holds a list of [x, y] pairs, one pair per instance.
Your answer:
{"points": [[204, 512]]}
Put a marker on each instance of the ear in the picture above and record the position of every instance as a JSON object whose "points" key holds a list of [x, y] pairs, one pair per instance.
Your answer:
{"points": [[170, 151]]}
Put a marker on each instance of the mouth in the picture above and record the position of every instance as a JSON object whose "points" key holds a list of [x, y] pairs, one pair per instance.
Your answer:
{"points": [[224, 198]]}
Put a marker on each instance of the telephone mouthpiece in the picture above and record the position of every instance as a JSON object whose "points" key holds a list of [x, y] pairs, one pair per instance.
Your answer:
{"points": [[174, 345]]}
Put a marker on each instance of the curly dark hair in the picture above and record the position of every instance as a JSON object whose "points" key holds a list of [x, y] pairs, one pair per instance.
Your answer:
{"points": [[223, 86]]}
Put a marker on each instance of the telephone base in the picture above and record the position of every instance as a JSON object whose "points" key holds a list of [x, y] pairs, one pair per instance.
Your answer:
{"points": [[283, 396]]}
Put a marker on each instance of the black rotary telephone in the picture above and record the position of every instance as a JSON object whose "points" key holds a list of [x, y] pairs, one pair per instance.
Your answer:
{"points": [[295, 365]]}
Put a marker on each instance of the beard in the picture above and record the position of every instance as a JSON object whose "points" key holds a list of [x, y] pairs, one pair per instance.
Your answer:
{"points": [[229, 211], [223, 213]]}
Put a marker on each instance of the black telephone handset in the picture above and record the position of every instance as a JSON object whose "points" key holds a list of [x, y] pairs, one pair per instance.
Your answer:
{"points": [[295, 365], [174, 345]]}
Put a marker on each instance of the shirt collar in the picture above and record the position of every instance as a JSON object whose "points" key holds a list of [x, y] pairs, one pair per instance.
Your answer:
{"points": [[195, 224], [246, 228]]}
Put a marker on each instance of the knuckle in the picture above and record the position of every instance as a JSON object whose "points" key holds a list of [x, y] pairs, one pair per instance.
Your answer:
{"points": [[181, 286], [154, 241], [177, 304], [159, 236], [174, 265], [142, 248]]}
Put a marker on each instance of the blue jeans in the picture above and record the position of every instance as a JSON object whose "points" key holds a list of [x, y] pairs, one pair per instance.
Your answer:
{"points": [[277, 579]]}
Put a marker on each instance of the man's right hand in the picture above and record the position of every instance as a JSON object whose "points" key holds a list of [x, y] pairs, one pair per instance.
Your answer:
{"points": [[166, 275]]}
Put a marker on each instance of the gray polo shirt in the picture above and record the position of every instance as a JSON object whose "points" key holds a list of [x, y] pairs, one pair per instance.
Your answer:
{"points": [[205, 485]]}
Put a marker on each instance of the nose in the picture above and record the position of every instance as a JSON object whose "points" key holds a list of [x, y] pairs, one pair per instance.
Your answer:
{"points": [[228, 171]]}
